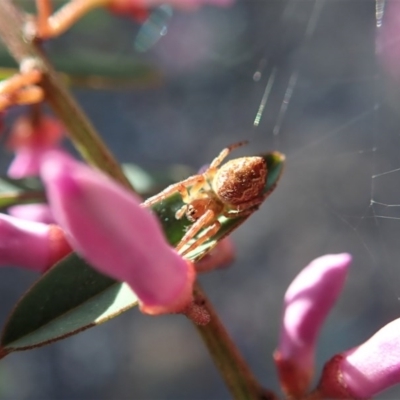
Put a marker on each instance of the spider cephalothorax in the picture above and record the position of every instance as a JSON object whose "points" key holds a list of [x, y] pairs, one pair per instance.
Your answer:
{"points": [[235, 189]]}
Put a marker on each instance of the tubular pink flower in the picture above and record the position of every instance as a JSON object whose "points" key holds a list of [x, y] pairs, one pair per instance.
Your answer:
{"points": [[26, 162], [308, 300], [32, 212], [30, 141], [366, 370], [107, 226], [31, 245]]}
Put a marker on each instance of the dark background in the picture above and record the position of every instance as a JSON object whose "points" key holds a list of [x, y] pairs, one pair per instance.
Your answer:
{"points": [[340, 131]]}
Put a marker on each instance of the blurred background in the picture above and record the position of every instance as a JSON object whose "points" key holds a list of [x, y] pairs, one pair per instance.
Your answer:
{"points": [[314, 79]]}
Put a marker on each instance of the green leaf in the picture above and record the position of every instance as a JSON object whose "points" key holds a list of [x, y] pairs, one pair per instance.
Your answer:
{"points": [[69, 298], [31, 183], [20, 191], [72, 297]]}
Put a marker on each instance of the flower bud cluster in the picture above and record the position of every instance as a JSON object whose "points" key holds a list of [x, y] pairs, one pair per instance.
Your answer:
{"points": [[361, 372]]}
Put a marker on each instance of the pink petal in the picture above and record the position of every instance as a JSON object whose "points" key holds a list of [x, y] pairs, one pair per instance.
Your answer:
{"points": [[308, 300], [25, 163], [32, 212], [31, 245], [109, 228], [388, 40], [367, 369], [30, 141]]}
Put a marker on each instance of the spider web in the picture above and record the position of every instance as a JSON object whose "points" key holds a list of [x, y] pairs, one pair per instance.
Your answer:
{"points": [[338, 125]]}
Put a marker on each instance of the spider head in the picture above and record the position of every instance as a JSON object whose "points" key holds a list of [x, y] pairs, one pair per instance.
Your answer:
{"points": [[196, 209]]}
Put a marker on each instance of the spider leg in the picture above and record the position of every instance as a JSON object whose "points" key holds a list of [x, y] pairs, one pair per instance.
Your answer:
{"points": [[218, 160], [179, 187], [201, 223], [210, 232], [248, 205], [193, 198], [240, 213], [195, 189], [181, 212]]}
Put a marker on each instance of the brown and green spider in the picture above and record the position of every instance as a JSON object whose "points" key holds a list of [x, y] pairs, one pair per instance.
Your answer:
{"points": [[236, 189]]}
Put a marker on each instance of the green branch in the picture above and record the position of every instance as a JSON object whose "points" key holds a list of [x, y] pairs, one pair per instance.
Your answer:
{"points": [[237, 375]]}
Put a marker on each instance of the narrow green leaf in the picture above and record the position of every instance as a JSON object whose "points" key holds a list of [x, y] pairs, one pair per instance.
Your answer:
{"points": [[8, 184], [69, 298], [20, 191], [16, 198], [72, 296]]}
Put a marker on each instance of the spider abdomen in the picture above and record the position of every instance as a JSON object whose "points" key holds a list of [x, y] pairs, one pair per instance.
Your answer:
{"points": [[240, 180]]}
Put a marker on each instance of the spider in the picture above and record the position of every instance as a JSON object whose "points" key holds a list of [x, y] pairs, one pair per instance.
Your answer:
{"points": [[236, 189]]}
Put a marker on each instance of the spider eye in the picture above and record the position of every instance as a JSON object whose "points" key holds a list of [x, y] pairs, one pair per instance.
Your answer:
{"points": [[191, 213]]}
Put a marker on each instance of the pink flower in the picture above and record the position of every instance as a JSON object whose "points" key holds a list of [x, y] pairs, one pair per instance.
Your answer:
{"points": [[107, 226], [32, 212], [366, 370], [308, 300], [138, 9], [359, 373], [31, 245], [30, 140]]}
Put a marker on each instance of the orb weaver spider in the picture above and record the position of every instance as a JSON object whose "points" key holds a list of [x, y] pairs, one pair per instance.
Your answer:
{"points": [[236, 189]]}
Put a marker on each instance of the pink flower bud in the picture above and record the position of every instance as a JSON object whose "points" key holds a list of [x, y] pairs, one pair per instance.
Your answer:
{"points": [[308, 300], [366, 370], [32, 212], [30, 141], [107, 226], [31, 245], [25, 163]]}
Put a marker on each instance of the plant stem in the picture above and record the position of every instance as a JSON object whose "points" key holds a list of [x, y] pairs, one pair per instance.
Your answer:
{"points": [[237, 376], [80, 129], [9, 199]]}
